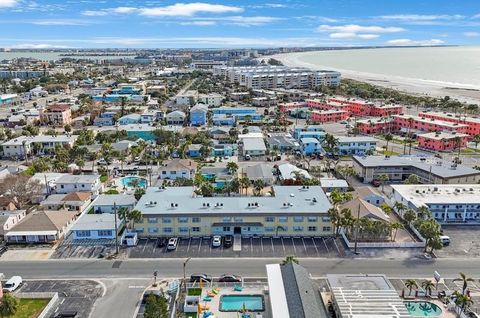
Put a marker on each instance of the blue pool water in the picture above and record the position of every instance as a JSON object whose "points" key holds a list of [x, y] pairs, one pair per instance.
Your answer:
{"points": [[235, 302], [423, 309], [126, 182]]}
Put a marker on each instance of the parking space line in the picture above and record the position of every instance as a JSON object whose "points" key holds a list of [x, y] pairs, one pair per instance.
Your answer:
{"points": [[261, 242], [155, 245], [200, 245], [294, 248], [315, 245], [251, 245], [273, 248], [189, 241], [144, 246], [325, 243], [305, 247], [283, 245], [338, 250]]}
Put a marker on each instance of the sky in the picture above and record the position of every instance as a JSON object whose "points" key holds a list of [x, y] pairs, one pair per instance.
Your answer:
{"points": [[237, 24]]}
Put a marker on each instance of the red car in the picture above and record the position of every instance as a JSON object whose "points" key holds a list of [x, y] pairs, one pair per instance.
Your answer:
{"points": [[376, 183]]}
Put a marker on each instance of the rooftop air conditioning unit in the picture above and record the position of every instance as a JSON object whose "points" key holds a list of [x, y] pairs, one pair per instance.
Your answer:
{"points": [[176, 205]]}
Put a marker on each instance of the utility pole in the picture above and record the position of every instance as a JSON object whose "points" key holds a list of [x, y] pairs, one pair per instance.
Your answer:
{"points": [[116, 227], [184, 274], [356, 230]]}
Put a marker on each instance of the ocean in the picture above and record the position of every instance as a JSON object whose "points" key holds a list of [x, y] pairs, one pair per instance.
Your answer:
{"points": [[457, 66], [52, 56]]}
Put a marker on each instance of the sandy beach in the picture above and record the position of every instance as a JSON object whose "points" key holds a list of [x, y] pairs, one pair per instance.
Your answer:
{"points": [[461, 92]]}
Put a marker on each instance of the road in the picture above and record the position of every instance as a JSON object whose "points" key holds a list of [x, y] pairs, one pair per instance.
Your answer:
{"points": [[170, 268]]}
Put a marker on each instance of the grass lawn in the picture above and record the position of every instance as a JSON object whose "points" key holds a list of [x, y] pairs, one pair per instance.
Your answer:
{"points": [[194, 292], [390, 153], [30, 308], [191, 315], [103, 178]]}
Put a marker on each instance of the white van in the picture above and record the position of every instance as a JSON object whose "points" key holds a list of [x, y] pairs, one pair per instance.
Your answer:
{"points": [[172, 243], [12, 284], [445, 240]]}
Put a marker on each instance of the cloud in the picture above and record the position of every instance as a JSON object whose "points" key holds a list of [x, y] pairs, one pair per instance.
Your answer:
{"points": [[409, 42], [354, 28], [471, 34], [188, 9], [37, 46], [421, 17], [346, 35], [53, 22], [476, 16], [90, 13], [249, 21], [199, 23], [8, 3]]}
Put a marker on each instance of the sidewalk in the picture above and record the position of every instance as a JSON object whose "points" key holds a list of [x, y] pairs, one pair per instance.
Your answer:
{"points": [[25, 254]]}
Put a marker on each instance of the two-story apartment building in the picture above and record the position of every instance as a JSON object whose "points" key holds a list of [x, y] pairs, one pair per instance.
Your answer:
{"points": [[356, 145], [175, 118], [198, 115], [211, 100], [177, 211], [310, 146], [442, 141], [473, 123], [38, 145], [177, 168], [324, 116], [79, 183]]}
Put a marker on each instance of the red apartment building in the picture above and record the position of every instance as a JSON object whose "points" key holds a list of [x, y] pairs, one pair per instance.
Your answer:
{"points": [[473, 123], [286, 107], [442, 141], [374, 125], [323, 116], [355, 107], [417, 123]]}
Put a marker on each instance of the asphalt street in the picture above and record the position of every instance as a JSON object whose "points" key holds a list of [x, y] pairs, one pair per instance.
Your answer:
{"points": [[246, 267]]}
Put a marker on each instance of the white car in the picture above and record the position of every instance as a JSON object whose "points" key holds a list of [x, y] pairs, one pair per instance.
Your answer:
{"points": [[217, 241], [172, 244], [12, 284]]}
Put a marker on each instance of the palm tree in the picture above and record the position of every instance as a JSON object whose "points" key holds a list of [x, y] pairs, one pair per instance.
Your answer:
{"points": [[411, 284], [135, 216], [428, 285], [258, 186], [388, 138], [290, 259], [462, 301], [465, 280], [395, 226], [8, 305], [123, 214], [232, 167], [245, 184], [330, 143], [424, 212], [335, 219], [383, 178], [400, 207], [476, 140]]}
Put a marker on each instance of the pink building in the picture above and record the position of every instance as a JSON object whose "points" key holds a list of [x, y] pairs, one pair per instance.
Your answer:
{"points": [[355, 107], [374, 125], [324, 116], [473, 123], [286, 107], [442, 141], [414, 124], [56, 114], [386, 110]]}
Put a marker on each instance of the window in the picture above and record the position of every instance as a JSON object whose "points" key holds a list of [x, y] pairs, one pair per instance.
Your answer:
{"points": [[326, 219], [226, 229], [196, 220], [167, 230], [164, 172], [312, 229], [104, 232], [298, 219], [227, 219], [283, 219], [238, 219], [83, 233], [195, 229], [182, 220], [152, 220], [153, 230], [269, 229], [312, 219], [270, 219], [327, 228], [298, 228], [167, 220], [183, 229]]}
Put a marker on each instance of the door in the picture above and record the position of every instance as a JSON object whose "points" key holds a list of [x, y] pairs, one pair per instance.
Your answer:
{"points": [[237, 230]]}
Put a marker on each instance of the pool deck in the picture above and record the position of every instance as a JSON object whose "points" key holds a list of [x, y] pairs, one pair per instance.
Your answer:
{"points": [[227, 289], [445, 312]]}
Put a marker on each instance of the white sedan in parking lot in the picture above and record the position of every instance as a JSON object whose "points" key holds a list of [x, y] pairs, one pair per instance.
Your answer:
{"points": [[217, 241]]}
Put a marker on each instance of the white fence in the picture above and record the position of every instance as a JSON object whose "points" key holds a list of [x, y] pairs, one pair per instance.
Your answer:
{"points": [[382, 244], [53, 300]]}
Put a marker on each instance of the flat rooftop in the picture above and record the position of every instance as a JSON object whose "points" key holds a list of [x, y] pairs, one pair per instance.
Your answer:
{"points": [[343, 139], [454, 116], [431, 164], [431, 121], [287, 199], [441, 135], [425, 194]]}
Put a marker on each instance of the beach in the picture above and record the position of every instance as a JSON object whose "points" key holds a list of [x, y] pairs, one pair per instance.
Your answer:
{"points": [[468, 93]]}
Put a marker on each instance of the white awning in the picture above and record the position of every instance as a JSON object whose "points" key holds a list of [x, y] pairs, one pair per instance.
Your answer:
{"points": [[30, 233], [278, 299]]}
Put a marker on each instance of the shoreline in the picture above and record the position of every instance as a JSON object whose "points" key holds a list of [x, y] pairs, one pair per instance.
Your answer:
{"points": [[419, 87]]}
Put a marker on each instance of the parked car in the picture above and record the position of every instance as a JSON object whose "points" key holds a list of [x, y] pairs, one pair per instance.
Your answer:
{"points": [[197, 277], [229, 278], [172, 244], [247, 157], [217, 241], [445, 240], [162, 242], [376, 183], [3, 249], [102, 162], [227, 241], [12, 284]]}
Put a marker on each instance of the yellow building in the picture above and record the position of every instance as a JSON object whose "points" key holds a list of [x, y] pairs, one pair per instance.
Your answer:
{"points": [[291, 211]]}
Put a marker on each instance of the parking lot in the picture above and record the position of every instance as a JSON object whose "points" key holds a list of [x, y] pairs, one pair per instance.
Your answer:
{"points": [[87, 250], [463, 242], [74, 295], [251, 247]]}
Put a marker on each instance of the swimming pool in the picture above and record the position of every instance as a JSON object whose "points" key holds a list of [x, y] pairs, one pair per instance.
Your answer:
{"points": [[236, 302], [127, 181], [423, 309]]}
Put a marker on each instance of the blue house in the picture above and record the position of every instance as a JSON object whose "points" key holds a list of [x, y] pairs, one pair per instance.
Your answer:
{"points": [[319, 135], [239, 111], [310, 146], [310, 128], [142, 131], [223, 150], [129, 119], [194, 151], [105, 119], [223, 120], [198, 115]]}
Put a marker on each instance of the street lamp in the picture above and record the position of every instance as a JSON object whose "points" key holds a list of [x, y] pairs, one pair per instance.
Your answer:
{"points": [[184, 274]]}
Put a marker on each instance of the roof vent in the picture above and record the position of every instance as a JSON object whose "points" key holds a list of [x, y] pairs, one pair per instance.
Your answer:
{"points": [[284, 204], [314, 200], [172, 205], [176, 205]]}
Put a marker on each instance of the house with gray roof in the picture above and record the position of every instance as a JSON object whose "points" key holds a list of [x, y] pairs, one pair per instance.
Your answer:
{"points": [[95, 227], [79, 183], [104, 202], [260, 171]]}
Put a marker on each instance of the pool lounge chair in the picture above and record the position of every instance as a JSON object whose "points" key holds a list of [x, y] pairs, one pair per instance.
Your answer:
{"points": [[237, 288]]}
